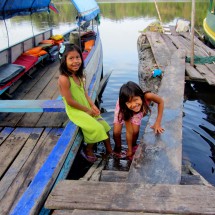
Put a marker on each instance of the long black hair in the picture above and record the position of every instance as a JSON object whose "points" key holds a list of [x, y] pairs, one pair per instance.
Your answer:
{"points": [[66, 48], [126, 93]]}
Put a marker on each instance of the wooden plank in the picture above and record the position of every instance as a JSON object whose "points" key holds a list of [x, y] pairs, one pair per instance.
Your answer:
{"points": [[33, 106], [62, 212], [206, 73], [187, 43], [97, 173], [114, 176], [208, 51], [5, 133], [52, 120], [169, 43], [211, 67], [92, 169], [98, 212], [19, 161], [179, 44], [103, 83], [132, 197], [193, 73], [158, 157], [27, 172], [34, 195], [159, 49], [11, 147]]}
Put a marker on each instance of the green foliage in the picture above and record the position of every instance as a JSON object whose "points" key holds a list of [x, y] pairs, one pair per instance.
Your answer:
{"points": [[168, 10], [67, 14], [118, 11]]}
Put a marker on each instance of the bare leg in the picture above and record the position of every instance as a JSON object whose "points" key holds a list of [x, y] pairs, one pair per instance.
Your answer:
{"points": [[89, 150], [108, 145], [117, 130], [129, 137], [136, 129]]}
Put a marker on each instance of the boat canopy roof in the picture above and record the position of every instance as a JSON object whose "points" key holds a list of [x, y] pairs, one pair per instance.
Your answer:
{"points": [[11, 8], [87, 9]]}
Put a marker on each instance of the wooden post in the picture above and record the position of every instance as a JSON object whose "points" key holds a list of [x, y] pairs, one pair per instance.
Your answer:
{"points": [[161, 23], [192, 33]]}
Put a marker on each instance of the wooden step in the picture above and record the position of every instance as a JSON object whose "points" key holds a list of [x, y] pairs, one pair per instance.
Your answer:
{"points": [[96, 212], [114, 176], [132, 197]]}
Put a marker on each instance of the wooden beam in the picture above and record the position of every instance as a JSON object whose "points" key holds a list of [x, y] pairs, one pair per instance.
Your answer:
{"points": [[20, 106], [98, 212], [158, 157], [132, 197]]}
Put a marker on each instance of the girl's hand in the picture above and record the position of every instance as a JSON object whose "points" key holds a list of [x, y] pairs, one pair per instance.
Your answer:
{"points": [[157, 128], [95, 110], [90, 112]]}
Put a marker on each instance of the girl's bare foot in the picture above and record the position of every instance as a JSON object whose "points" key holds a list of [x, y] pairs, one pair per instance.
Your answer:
{"points": [[129, 153]]}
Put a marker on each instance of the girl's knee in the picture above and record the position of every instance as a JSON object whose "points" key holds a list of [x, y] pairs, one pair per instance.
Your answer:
{"points": [[116, 133]]}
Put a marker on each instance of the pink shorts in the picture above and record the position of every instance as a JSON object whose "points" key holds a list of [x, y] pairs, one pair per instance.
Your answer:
{"points": [[135, 119]]}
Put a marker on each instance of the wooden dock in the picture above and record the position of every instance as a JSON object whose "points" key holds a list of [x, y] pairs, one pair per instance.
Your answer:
{"points": [[156, 182], [200, 72]]}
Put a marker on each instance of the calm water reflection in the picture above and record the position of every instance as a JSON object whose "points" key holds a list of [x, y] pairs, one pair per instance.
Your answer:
{"points": [[120, 26]]}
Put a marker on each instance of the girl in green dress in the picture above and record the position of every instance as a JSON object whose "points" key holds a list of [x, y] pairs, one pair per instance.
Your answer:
{"points": [[79, 107]]}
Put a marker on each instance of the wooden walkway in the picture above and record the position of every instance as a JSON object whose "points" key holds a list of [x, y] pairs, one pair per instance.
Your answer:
{"points": [[155, 182], [158, 158], [156, 186], [200, 72]]}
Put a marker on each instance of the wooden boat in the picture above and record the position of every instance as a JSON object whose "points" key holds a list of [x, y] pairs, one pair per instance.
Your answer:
{"points": [[209, 24], [35, 156], [11, 57]]}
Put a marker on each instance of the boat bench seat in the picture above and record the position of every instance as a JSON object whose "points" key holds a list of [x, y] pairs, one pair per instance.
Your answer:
{"points": [[10, 73], [27, 61]]}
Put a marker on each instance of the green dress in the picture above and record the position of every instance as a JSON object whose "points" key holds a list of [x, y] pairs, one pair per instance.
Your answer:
{"points": [[94, 128]]}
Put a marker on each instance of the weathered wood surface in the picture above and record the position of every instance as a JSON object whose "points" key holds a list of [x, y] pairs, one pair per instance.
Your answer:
{"points": [[193, 73], [24, 163], [34, 106], [158, 157], [132, 197], [204, 72], [159, 49], [98, 212], [114, 176], [91, 171], [11, 147]]}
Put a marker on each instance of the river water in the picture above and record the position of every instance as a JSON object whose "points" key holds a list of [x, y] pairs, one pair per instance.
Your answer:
{"points": [[119, 29]]}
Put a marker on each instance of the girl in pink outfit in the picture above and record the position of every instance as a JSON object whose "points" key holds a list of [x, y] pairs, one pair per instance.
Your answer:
{"points": [[131, 107]]}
